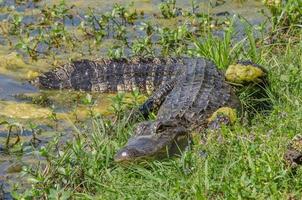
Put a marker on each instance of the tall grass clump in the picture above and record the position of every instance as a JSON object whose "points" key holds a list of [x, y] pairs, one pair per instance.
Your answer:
{"points": [[219, 50], [226, 48]]}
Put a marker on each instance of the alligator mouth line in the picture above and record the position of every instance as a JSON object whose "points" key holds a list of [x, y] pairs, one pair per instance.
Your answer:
{"points": [[176, 148]]}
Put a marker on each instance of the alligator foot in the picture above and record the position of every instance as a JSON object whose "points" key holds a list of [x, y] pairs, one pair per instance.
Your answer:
{"points": [[223, 116], [293, 155]]}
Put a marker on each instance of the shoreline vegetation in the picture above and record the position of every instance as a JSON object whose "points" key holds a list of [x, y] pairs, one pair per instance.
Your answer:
{"points": [[244, 161]]}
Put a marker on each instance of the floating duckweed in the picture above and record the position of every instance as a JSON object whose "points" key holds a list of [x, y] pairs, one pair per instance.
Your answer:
{"points": [[32, 74], [12, 60]]}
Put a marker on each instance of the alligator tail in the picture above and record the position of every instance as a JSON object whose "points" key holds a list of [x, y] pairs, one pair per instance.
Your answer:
{"points": [[110, 75]]}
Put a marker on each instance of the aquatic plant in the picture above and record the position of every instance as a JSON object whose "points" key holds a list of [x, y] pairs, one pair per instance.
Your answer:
{"points": [[10, 127], [168, 9], [61, 28]]}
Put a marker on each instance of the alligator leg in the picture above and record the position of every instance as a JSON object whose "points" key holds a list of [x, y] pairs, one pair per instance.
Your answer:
{"points": [[223, 116], [158, 97], [293, 154], [153, 103]]}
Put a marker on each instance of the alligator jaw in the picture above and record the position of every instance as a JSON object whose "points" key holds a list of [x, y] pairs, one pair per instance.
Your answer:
{"points": [[126, 155], [137, 149], [152, 140]]}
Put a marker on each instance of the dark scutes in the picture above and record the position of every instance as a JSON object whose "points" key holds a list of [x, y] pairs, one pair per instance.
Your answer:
{"points": [[111, 75], [187, 102], [187, 92]]}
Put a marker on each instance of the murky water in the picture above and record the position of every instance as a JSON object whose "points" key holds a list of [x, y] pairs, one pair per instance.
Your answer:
{"points": [[20, 102], [9, 88]]}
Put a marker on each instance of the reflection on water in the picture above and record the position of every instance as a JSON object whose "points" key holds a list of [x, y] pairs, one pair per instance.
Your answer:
{"points": [[9, 88]]}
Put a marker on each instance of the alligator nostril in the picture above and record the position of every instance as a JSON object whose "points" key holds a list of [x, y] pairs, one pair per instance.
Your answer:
{"points": [[122, 156]]}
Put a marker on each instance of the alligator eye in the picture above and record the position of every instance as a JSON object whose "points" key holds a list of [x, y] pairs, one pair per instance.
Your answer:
{"points": [[160, 128]]}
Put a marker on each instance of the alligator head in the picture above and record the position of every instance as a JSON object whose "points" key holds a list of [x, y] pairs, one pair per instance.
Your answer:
{"points": [[156, 139]]}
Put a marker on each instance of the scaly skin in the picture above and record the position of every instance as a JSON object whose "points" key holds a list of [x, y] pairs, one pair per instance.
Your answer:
{"points": [[111, 75], [187, 91], [293, 155], [199, 91]]}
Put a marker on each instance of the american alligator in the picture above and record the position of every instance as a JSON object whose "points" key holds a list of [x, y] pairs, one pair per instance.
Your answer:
{"points": [[187, 92]]}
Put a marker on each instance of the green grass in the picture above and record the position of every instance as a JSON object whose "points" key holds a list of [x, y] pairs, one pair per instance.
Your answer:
{"points": [[244, 161]]}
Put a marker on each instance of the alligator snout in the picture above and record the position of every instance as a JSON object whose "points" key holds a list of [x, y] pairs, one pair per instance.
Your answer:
{"points": [[136, 149]]}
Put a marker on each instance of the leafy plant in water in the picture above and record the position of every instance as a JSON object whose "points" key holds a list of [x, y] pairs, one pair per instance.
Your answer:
{"points": [[35, 132], [28, 45], [10, 127], [58, 12], [116, 52], [16, 23], [94, 27], [126, 16], [48, 29], [168, 9], [142, 47], [49, 34], [174, 41]]}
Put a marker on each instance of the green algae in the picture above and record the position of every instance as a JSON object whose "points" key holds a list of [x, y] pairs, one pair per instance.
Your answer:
{"points": [[23, 110], [13, 64]]}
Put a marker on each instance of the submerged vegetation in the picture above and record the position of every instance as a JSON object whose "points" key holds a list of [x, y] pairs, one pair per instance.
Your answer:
{"points": [[243, 161], [62, 28]]}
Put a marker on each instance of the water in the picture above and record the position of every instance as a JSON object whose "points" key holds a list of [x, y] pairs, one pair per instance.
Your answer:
{"points": [[4, 195], [10, 88], [21, 102]]}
